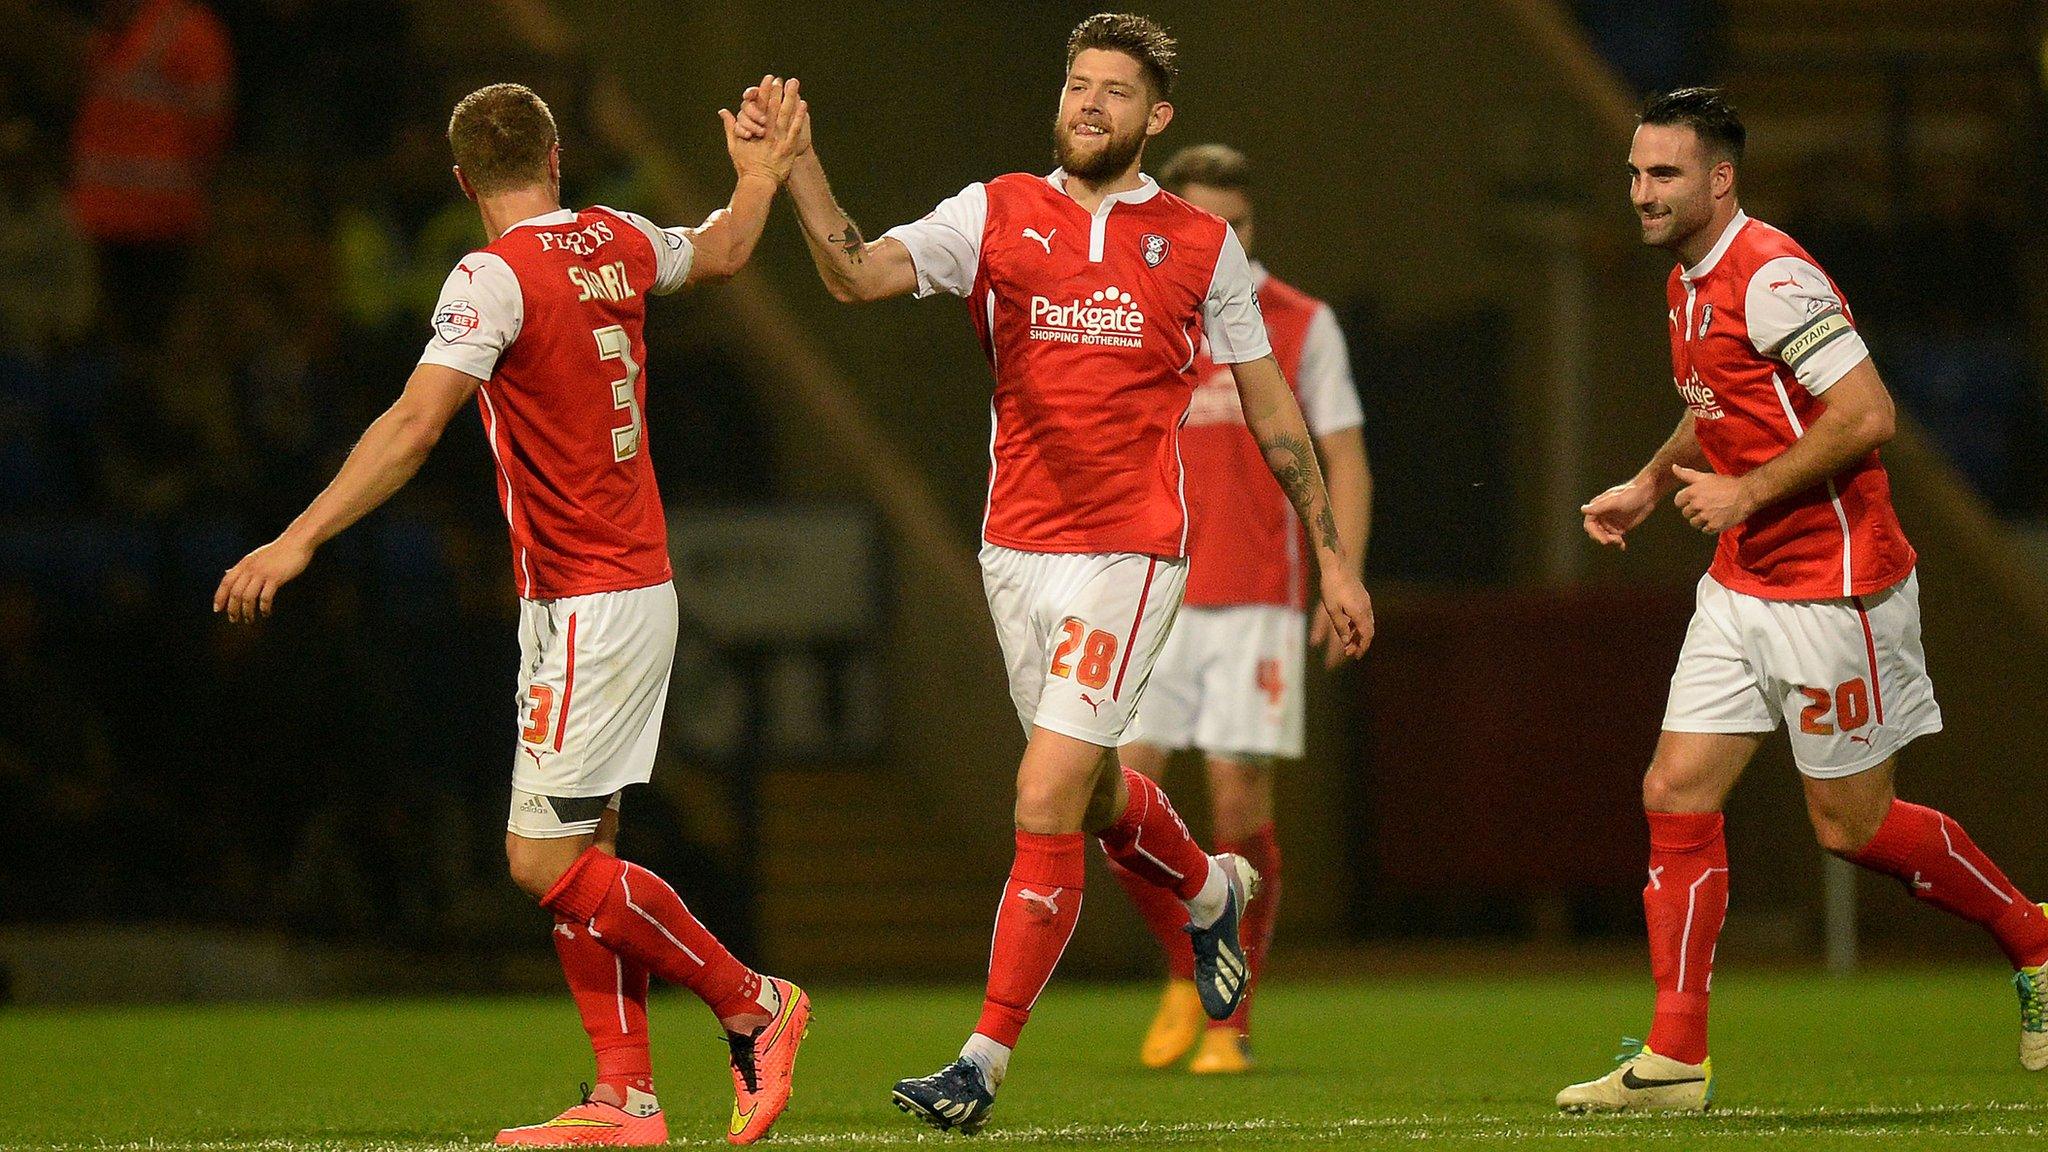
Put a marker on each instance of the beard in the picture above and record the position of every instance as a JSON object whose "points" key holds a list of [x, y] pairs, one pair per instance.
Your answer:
{"points": [[1113, 159]]}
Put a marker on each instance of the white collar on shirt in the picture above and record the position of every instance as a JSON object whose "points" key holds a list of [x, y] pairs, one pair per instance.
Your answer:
{"points": [[1719, 250], [545, 219], [1147, 188]]}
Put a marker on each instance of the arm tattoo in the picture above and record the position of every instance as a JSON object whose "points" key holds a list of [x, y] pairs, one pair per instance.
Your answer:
{"points": [[849, 242], [1293, 463]]}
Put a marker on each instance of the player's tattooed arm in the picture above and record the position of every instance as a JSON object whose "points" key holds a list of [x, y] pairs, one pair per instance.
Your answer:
{"points": [[1274, 417], [853, 268], [849, 240], [1293, 461], [1276, 423]]}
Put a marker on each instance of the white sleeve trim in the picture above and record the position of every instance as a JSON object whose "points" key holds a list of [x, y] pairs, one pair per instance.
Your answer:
{"points": [[1795, 316], [673, 252], [1230, 311], [479, 315], [1329, 397], [945, 246]]}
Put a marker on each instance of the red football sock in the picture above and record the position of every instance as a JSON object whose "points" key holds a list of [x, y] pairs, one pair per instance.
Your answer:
{"points": [[611, 996], [1940, 864], [1165, 916], [1262, 849], [1150, 840], [635, 913], [1684, 905], [1041, 904]]}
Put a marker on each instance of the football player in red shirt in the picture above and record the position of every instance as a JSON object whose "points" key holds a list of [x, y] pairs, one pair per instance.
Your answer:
{"points": [[1809, 615], [1231, 682], [1092, 291], [543, 326]]}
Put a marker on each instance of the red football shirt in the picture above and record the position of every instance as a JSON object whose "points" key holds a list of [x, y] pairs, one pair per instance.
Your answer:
{"points": [[1092, 323], [1758, 335], [1245, 543], [550, 318]]}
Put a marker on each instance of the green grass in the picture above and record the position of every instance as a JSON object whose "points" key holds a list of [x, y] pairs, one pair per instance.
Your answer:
{"points": [[1920, 1060]]}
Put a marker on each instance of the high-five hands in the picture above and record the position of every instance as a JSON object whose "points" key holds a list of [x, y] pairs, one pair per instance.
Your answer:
{"points": [[754, 116], [772, 129]]}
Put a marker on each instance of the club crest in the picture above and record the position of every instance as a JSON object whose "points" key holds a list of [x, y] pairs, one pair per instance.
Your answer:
{"points": [[1156, 248], [1706, 317]]}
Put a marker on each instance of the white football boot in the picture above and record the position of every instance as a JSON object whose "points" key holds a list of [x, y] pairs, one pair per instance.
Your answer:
{"points": [[1644, 1082]]}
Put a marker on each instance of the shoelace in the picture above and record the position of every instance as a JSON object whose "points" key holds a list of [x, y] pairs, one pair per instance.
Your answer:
{"points": [[1630, 1049], [742, 1045], [2032, 985], [584, 1091]]}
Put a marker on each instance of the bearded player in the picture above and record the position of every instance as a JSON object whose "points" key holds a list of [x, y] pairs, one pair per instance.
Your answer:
{"points": [[1809, 615], [1231, 681], [543, 326], [1091, 291]]}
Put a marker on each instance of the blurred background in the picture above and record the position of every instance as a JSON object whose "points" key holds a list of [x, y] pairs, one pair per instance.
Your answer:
{"points": [[189, 344]]}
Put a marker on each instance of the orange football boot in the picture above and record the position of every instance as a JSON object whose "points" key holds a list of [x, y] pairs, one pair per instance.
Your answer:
{"points": [[592, 1122], [763, 1064]]}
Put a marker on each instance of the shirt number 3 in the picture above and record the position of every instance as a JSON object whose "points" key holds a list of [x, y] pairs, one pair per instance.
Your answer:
{"points": [[614, 344]]}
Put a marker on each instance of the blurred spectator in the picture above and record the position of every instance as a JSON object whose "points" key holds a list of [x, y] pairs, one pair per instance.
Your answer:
{"points": [[159, 79], [46, 267]]}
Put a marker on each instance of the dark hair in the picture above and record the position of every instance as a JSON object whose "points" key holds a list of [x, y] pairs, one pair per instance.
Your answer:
{"points": [[501, 136], [1210, 165], [1704, 110], [1138, 37]]}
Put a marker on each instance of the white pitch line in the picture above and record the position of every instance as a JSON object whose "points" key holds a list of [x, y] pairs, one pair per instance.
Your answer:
{"points": [[1873, 1120]]}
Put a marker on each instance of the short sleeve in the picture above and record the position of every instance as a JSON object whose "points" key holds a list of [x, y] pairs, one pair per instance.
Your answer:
{"points": [[945, 246], [1329, 397], [1795, 316], [1230, 312], [673, 253], [478, 316]]}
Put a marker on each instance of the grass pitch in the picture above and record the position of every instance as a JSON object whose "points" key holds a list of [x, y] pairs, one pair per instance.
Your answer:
{"points": [[1921, 1059]]}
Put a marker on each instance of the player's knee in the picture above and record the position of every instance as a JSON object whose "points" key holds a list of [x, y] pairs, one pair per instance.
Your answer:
{"points": [[534, 871], [1051, 809], [1844, 833], [1661, 793]]}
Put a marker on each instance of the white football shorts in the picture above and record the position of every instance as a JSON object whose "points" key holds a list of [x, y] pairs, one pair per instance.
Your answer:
{"points": [[1230, 682], [1847, 677], [1080, 633], [593, 680]]}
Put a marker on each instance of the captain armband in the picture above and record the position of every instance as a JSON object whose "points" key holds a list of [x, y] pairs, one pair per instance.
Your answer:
{"points": [[1824, 329]]}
